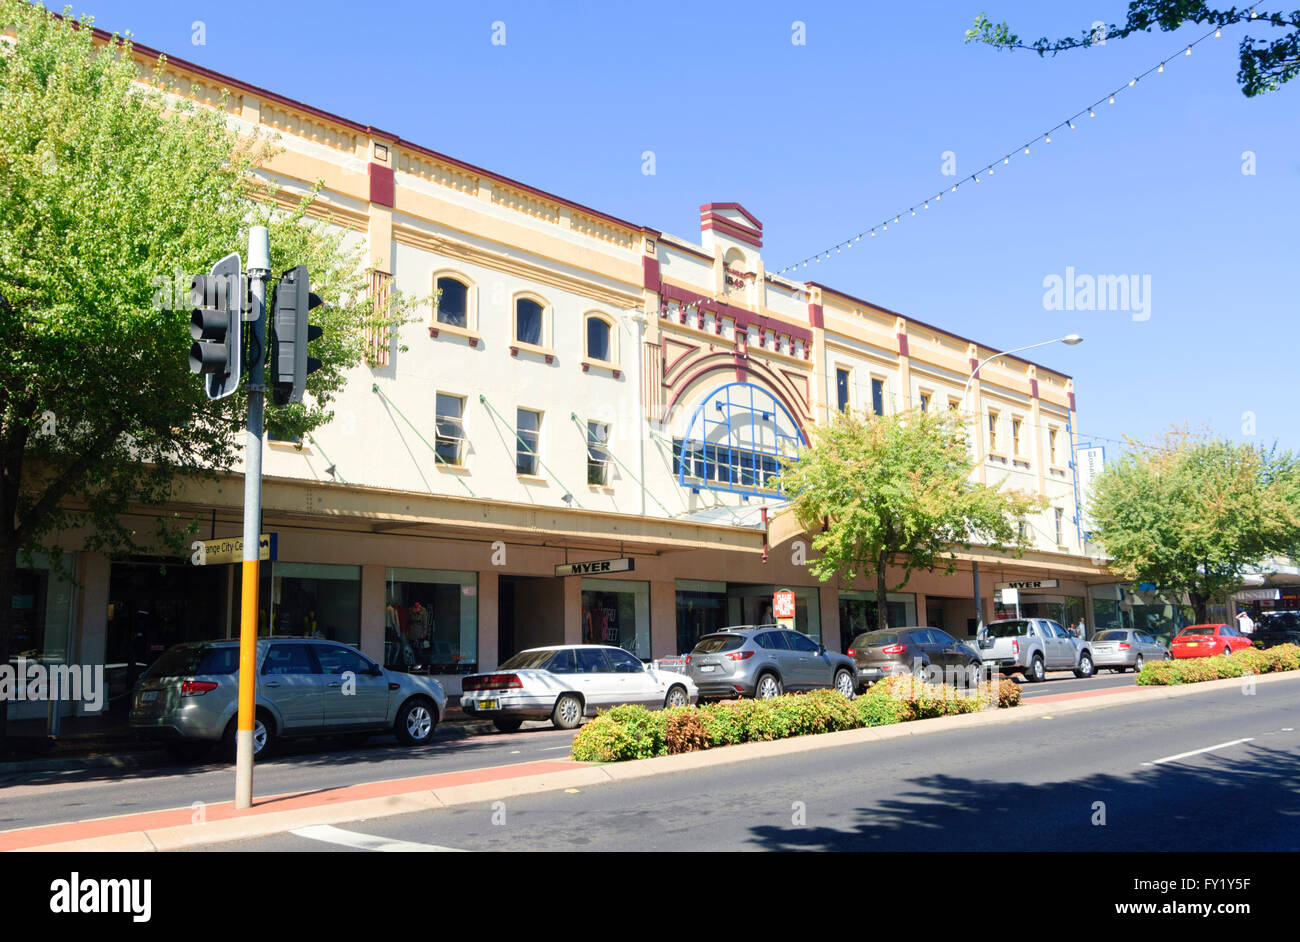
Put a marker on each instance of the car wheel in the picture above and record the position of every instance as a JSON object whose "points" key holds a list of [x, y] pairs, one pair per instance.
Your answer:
{"points": [[264, 736], [767, 687], [1085, 668], [1137, 664], [845, 684], [1037, 673], [416, 721], [676, 698], [1227, 650], [567, 713], [507, 725]]}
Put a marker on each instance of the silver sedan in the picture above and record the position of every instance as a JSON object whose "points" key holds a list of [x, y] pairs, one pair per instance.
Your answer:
{"points": [[564, 683], [1120, 649]]}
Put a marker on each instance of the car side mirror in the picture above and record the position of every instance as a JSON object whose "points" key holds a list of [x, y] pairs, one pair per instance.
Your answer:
{"points": [[821, 649]]}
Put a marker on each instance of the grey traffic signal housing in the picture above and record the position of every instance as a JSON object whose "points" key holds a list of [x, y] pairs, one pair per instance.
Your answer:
{"points": [[216, 324], [291, 333]]}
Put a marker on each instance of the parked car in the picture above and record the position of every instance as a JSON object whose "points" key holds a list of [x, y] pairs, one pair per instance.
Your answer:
{"points": [[1033, 646], [305, 687], [1208, 640], [564, 683], [883, 652], [1276, 627], [764, 661], [1120, 649]]}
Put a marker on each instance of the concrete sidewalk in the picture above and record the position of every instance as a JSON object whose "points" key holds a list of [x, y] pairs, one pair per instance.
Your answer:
{"points": [[217, 823]]}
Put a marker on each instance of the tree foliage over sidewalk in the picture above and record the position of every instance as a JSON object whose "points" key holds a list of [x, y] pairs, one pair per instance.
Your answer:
{"points": [[114, 189], [1191, 514], [895, 490], [1265, 64]]}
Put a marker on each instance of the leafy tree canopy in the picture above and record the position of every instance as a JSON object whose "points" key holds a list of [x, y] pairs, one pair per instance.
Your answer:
{"points": [[1266, 64]]}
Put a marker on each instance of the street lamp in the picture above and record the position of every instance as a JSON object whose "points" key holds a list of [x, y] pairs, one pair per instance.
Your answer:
{"points": [[1069, 340]]}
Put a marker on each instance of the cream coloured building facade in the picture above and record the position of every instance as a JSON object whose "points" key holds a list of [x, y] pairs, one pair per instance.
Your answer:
{"points": [[586, 388]]}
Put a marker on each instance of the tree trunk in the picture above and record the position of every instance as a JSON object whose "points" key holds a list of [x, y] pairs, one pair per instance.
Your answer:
{"points": [[882, 608], [1200, 604], [8, 579]]}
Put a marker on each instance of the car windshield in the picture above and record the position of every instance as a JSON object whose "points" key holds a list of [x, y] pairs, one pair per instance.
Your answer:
{"points": [[528, 660], [875, 638], [1008, 629], [1112, 636], [190, 662], [713, 644]]}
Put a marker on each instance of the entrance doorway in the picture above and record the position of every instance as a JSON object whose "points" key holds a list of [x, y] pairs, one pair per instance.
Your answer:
{"points": [[530, 613]]}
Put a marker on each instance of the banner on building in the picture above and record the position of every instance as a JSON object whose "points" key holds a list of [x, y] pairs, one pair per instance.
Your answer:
{"points": [[1090, 462]]}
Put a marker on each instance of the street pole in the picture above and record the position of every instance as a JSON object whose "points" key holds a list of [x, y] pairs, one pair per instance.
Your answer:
{"points": [[259, 271]]}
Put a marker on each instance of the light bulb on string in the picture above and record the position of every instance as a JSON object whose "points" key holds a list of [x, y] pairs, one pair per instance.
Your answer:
{"points": [[1091, 113], [1047, 138], [1006, 160], [895, 219], [1026, 148], [927, 204], [1162, 67], [1071, 124], [1132, 82], [1112, 99], [1218, 32], [873, 233], [1189, 51], [913, 211]]}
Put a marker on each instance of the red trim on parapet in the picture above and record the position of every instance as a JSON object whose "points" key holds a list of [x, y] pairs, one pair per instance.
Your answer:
{"points": [[383, 189], [729, 228], [649, 273], [742, 317], [714, 207], [902, 344]]}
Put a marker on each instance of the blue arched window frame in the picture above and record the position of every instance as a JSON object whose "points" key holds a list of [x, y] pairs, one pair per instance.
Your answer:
{"points": [[722, 465]]}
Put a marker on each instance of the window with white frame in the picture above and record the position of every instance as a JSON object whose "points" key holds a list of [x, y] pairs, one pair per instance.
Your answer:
{"points": [[453, 301], [449, 443], [925, 401], [1059, 514], [1053, 455], [1015, 436], [528, 432], [842, 389], [530, 321], [598, 458], [600, 338], [993, 430]]}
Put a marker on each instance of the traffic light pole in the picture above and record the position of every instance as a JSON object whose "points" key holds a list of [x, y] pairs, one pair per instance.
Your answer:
{"points": [[259, 272]]}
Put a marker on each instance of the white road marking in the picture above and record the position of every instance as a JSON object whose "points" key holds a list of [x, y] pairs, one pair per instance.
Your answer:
{"points": [[1197, 752], [555, 748], [332, 835]]}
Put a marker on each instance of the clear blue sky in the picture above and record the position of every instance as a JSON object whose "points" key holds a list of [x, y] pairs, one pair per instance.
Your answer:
{"points": [[824, 139]]}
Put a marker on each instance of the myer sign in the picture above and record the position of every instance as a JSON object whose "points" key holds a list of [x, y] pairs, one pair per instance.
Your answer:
{"points": [[1028, 584], [596, 567]]}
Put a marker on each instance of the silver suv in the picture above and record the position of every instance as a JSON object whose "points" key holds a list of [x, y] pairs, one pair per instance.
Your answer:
{"points": [[1033, 646], [763, 661], [305, 687]]}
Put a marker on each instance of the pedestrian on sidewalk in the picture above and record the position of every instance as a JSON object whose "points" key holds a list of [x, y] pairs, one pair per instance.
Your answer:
{"points": [[1244, 623]]}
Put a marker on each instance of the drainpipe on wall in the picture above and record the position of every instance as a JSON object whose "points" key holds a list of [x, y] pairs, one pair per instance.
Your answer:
{"points": [[639, 319]]}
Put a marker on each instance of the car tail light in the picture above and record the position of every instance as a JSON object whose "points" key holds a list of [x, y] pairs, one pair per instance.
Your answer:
{"points": [[851, 652], [739, 655], [197, 688], [1124, 645], [688, 660], [1015, 646], [894, 649], [493, 682]]}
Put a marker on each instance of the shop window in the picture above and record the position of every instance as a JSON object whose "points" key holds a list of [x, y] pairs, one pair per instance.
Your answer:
{"points": [[598, 459], [617, 612], [858, 613], [450, 438], [528, 427], [453, 302], [431, 621], [317, 601]]}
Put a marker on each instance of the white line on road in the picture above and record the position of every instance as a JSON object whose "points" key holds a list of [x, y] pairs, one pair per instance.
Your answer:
{"points": [[332, 835], [1197, 752], [555, 748]]}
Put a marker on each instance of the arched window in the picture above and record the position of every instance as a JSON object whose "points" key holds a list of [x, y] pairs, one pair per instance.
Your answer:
{"points": [[453, 302], [600, 341], [530, 324]]}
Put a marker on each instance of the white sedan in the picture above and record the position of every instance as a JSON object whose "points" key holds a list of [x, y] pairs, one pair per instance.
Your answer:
{"points": [[564, 683]]}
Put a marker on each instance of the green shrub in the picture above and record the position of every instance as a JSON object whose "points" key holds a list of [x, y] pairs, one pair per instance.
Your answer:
{"points": [[877, 708], [1284, 657], [685, 730], [722, 724], [625, 732]]}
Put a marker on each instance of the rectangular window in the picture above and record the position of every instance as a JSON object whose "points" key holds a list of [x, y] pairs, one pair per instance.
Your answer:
{"points": [[450, 436], [925, 402], [1015, 437], [618, 613], [598, 453], [993, 430], [1051, 448], [1060, 516], [878, 396], [316, 601], [528, 425], [431, 621], [842, 389]]}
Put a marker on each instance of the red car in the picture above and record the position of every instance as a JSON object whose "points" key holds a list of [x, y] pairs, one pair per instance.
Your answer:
{"points": [[1208, 640]]}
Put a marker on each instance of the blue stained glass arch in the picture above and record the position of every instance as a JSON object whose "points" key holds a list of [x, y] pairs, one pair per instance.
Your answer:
{"points": [[735, 439]]}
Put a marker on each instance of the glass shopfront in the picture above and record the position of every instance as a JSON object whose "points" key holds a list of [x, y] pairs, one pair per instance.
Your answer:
{"points": [[431, 621], [752, 605], [42, 618], [858, 613], [701, 610], [1066, 610], [616, 611], [316, 600]]}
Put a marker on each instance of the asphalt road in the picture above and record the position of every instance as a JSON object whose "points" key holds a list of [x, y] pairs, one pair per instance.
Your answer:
{"points": [[1043, 784], [30, 799]]}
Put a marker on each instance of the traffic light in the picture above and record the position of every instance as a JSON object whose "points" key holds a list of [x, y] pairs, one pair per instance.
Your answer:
{"points": [[291, 333], [216, 324]]}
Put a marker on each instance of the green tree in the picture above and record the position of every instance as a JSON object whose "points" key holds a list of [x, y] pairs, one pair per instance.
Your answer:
{"points": [[896, 490], [110, 192], [1265, 64], [1190, 514]]}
